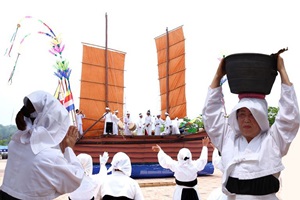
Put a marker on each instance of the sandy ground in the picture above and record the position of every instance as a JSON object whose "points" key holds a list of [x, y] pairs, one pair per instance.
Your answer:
{"points": [[161, 188]]}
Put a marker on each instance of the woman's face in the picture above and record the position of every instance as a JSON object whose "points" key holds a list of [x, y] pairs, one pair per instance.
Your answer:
{"points": [[247, 124]]}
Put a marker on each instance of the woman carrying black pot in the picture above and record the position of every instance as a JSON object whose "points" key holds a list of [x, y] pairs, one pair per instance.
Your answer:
{"points": [[251, 149]]}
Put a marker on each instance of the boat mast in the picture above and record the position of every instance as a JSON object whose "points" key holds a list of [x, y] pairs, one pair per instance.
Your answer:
{"points": [[106, 64], [167, 68]]}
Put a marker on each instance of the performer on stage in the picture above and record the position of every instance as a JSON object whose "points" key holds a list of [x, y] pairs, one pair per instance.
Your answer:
{"points": [[108, 123], [140, 125], [115, 121], [127, 122], [158, 124], [148, 124]]}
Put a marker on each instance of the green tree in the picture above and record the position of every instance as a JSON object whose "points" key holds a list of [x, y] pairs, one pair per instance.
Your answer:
{"points": [[272, 113], [5, 133]]}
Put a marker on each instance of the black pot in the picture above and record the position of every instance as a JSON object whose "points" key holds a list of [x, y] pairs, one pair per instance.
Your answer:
{"points": [[251, 72]]}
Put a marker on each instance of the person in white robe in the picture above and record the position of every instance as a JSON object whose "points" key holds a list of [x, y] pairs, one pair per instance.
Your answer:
{"points": [[185, 170], [217, 193], [79, 116], [119, 184], [148, 123], [89, 186], [41, 163], [168, 125], [115, 120], [108, 122], [251, 150], [158, 124], [175, 126], [127, 123], [140, 125]]}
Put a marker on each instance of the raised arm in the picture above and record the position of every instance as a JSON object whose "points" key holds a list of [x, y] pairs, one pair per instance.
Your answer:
{"points": [[218, 76], [282, 71]]}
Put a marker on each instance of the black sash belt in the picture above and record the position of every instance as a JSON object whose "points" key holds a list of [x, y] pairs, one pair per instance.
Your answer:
{"points": [[258, 186], [5, 196], [91, 198], [108, 197], [188, 193], [187, 184]]}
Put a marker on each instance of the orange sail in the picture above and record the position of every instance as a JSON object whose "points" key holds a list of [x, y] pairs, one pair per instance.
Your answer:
{"points": [[171, 71], [102, 85]]}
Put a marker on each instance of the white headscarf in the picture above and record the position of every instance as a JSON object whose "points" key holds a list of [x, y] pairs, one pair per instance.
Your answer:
{"points": [[184, 156], [86, 162], [121, 161], [49, 127], [88, 186], [259, 110]]}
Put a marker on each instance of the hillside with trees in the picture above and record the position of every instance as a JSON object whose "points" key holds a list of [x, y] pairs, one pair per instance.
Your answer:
{"points": [[5, 133]]}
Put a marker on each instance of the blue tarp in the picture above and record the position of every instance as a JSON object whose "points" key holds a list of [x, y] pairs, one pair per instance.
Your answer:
{"points": [[155, 170]]}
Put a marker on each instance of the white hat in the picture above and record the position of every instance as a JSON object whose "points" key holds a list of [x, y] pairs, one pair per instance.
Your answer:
{"points": [[128, 113], [116, 111], [166, 113], [107, 108]]}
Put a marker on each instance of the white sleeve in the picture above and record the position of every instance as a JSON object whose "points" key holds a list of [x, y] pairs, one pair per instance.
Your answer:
{"points": [[202, 160], [139, 194], [214, 118], [67, 172], [286, 125], [166, 161]]}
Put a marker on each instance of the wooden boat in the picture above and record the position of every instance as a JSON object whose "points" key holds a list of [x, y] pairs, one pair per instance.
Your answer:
{"points": [[138, 148], [102, 85]]}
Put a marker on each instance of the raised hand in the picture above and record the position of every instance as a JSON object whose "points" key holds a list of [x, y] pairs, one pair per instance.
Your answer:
{"points": [[205, 141], [103, 158], [156, 148], [70, 138]]}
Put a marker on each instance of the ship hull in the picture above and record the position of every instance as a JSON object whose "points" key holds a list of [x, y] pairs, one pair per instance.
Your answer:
{"points": [[138, 148]]}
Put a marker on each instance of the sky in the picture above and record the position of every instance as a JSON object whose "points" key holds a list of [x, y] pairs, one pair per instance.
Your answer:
{"points": [[211, 29]]}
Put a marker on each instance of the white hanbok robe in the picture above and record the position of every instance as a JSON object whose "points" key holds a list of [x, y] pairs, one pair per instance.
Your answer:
{"points": [[148, 124], [140, 127], [49, 175], [90, 184], [263, 155], [158, 124], [127, 121], [175, 127], [79, 117], [183, 171], [168, 126], [119, 183], [115, 121], [217, 193], [36, 168], [107, 118]]}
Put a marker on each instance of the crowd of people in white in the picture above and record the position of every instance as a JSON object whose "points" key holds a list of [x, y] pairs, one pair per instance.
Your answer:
{"points": [[148, 125]]}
